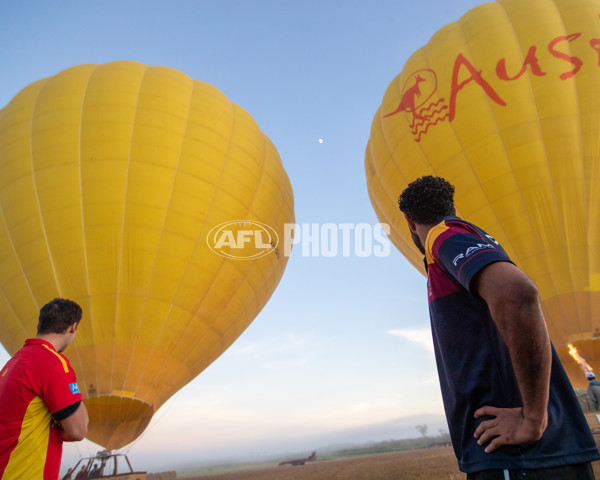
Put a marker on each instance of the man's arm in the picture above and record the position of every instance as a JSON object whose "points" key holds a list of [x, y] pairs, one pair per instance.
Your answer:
{"points": [[515, 307], [74, 427]]}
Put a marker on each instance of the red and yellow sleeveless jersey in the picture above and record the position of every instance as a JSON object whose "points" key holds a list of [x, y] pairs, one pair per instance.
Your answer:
{"points": [[34, 384]]}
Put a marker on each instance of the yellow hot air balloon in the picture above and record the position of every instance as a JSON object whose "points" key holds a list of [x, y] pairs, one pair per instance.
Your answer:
{"points": [[505, 104], [154, 202]]}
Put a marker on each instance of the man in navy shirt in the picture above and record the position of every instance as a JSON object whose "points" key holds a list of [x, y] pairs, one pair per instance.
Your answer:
{"points": [[511, 410]]}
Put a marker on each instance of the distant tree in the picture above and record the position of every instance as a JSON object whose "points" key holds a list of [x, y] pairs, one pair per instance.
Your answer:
{"points": [[422, 430]]}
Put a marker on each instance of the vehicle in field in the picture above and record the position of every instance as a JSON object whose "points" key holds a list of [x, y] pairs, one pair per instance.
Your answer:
{"points": [[300, 461]]}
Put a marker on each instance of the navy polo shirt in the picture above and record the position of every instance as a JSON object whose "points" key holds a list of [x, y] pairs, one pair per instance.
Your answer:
{"points": [[474, 365]]}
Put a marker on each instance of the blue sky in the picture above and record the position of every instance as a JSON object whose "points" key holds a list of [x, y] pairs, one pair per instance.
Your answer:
{"points": [[344, 341]]}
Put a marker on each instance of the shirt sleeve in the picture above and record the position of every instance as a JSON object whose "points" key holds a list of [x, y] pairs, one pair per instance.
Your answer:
{"points": [[66, 412], [59, 384], [463, 252]]}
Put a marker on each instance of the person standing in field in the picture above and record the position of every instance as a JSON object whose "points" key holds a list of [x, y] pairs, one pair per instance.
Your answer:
{"points": [[41, 405], [593, 391], [511, 410]]}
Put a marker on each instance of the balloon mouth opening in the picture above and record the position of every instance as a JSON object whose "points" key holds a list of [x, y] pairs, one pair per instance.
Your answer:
{"points": [[117, 419]]}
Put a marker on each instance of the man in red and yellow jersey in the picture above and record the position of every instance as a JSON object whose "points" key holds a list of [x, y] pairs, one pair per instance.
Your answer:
{"points": [[41, 404]]}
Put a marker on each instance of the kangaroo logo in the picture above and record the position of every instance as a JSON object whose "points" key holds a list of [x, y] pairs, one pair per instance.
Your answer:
{"points": [[418, 90]]}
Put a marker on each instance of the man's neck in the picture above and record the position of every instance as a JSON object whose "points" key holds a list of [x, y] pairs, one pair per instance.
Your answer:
{"points": [[422, 232], [55, 339]]}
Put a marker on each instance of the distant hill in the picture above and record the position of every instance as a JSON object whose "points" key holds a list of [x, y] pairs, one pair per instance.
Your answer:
{"points": [[401, 428]]}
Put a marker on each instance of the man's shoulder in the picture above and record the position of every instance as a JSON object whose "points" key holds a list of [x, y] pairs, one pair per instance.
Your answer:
{"points": [[22, 360], [42, 355], [460, 232], [457, 225], [450, 227], [462, 249], [453, 233]]}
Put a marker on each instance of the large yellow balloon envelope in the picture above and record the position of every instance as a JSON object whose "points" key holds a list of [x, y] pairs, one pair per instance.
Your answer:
{"points": [[119, 184], [505, 104]]}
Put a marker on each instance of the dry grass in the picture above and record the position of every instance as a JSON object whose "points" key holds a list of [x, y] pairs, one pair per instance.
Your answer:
{"points": [[433, 464]]}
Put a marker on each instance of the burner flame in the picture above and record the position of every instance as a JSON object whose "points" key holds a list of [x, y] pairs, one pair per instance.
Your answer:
{"points": [[579, 359]]}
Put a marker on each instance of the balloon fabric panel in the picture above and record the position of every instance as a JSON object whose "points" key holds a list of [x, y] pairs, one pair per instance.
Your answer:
{"points": [[504, 104], [112, 177]]}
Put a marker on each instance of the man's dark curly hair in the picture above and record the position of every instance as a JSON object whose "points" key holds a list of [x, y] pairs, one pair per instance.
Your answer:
{"points": [[427, 200], [58, 315]]}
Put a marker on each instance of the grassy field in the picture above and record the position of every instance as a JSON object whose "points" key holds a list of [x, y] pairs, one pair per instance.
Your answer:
{"points": [[432, 464], [425, 464]]}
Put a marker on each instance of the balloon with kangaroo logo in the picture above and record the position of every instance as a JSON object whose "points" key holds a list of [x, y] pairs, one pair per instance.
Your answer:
{"points": [[111, 179], [504, 103]]}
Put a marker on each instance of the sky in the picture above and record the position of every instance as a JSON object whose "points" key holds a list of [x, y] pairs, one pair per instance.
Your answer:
{"points": [[343, 347]]}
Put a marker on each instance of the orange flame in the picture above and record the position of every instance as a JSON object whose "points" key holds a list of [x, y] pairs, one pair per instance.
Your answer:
{"points": [[579, 359]]}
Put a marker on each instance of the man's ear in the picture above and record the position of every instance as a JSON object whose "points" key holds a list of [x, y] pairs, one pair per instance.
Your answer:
{"points": [[411, 224], [72, 328]]}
